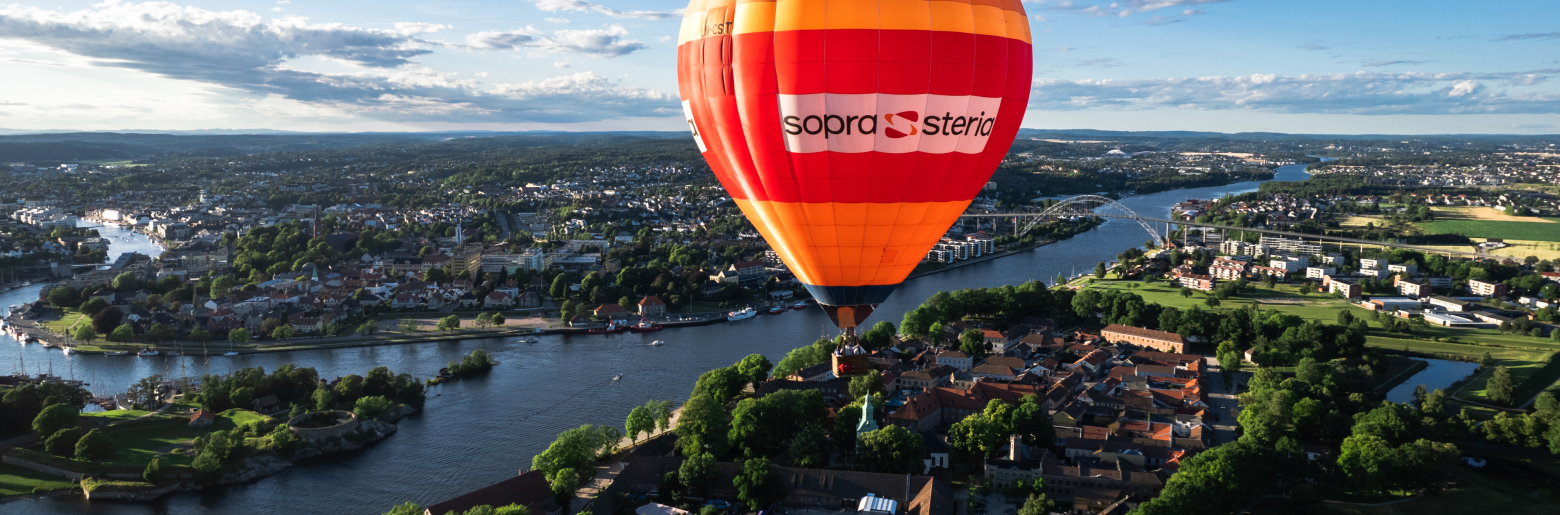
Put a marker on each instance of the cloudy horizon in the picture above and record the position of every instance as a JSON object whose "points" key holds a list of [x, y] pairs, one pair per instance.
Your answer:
{"points": [[1390, 67]]}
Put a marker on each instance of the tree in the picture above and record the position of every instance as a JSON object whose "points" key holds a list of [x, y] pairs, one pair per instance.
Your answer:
{"points": [[973, 343], [662, 411], [564, 484], [891, 450], [1499, 388], [93, 306], [560, 286], [1099, 270], [409, 325], [55, 418], [65, 297], [239, 336], [757, 484], [160, 332], [221, 285], [62, 442], [1229, 359], [153, 472], [1032, 424], [1367, 461], [702, 426], [199, 335], [95, 446], [369, 328], [107, 320], [810, 448], [639, 421], [484, 321], [722, 384], [976, 437], [242, 396], [1037, 504], [755, 368], [410, 508], [85, 333], [323, 398], [449, 323], [1186, 292], [208, 467], [865, 385], [283, 332], [498, 319], [697, 470], [574, 449]]}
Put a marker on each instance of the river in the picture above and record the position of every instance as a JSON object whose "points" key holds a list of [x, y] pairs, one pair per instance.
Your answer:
{"points": [[478, 431]]}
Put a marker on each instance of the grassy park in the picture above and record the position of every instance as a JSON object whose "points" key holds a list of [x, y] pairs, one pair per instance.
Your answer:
{"points": [[16, 480], [1517, 229]]}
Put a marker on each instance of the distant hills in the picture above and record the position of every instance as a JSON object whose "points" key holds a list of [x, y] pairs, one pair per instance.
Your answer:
{"points": [[69, 146]]}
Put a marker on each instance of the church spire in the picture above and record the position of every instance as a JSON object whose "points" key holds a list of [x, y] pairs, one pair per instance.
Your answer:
{"points": [[868, 422]]}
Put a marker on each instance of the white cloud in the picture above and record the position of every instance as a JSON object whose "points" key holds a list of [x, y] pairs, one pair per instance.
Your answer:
{"points": [[604, 43], [563, 64], [1124, 8], [276, 9], [503, 40], [243, 54], [283, 2], [481, 74], [1379, 64], [560, 21], [1363, 93], [553, 6]]}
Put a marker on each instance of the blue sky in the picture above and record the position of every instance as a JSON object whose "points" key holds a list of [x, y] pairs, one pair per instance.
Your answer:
{"points": [[1311, 66]]}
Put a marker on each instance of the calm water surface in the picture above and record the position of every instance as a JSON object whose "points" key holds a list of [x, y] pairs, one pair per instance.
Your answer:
{"points": [[479, 431], [1438, 376]]}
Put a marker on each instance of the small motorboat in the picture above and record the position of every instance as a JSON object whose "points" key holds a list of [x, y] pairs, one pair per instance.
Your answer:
{"points": [[618, 377], [69, 351], [230, 353], [147, 352], [777, 310], [530, 341], [799, 305], [657, 343]]}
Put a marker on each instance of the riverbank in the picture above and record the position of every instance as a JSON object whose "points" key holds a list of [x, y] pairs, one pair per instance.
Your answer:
{"points": [[94, 482]]}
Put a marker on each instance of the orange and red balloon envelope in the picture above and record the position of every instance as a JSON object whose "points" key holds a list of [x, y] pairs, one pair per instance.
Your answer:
{"points": [[853, 133]]}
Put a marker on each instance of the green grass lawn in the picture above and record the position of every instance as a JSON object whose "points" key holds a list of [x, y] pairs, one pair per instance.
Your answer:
{"points": [[1476, 492], [1514, 230], [139, 442], [116, 415], [65, 322], [16, 480], [1283, 297]]}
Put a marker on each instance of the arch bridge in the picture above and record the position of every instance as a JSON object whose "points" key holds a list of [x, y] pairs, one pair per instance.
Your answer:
{"points": [[1026, 218]]}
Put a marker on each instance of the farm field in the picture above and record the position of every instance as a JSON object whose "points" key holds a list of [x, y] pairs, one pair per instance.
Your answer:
{"points": [[1480, 213], [1535, 229]]}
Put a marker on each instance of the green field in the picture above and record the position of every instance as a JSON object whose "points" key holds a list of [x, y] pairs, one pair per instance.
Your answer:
{"points": [[1533, 231], [1283, 297], [65, 322], [1475, 492], [116, 415], [16, 480], [139, 442]]}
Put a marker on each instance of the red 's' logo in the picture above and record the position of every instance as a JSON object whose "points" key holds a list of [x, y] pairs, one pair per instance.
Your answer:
{"points": [[893, 132]]}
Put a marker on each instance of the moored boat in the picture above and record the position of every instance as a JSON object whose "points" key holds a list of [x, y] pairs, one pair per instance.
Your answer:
{"points": [[609, 329], [657, 343], [147, 352], [777, 310], [644, 326], [742, 314]]}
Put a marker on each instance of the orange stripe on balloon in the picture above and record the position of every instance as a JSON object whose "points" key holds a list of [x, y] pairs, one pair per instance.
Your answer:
{"points": [[844, 244]]}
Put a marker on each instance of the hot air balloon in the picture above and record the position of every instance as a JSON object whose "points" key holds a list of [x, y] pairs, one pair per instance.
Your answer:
{"points": [[853, 133]]}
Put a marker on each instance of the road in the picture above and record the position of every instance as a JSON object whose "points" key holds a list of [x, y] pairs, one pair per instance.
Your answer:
{"points": [[1222, 403]]}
